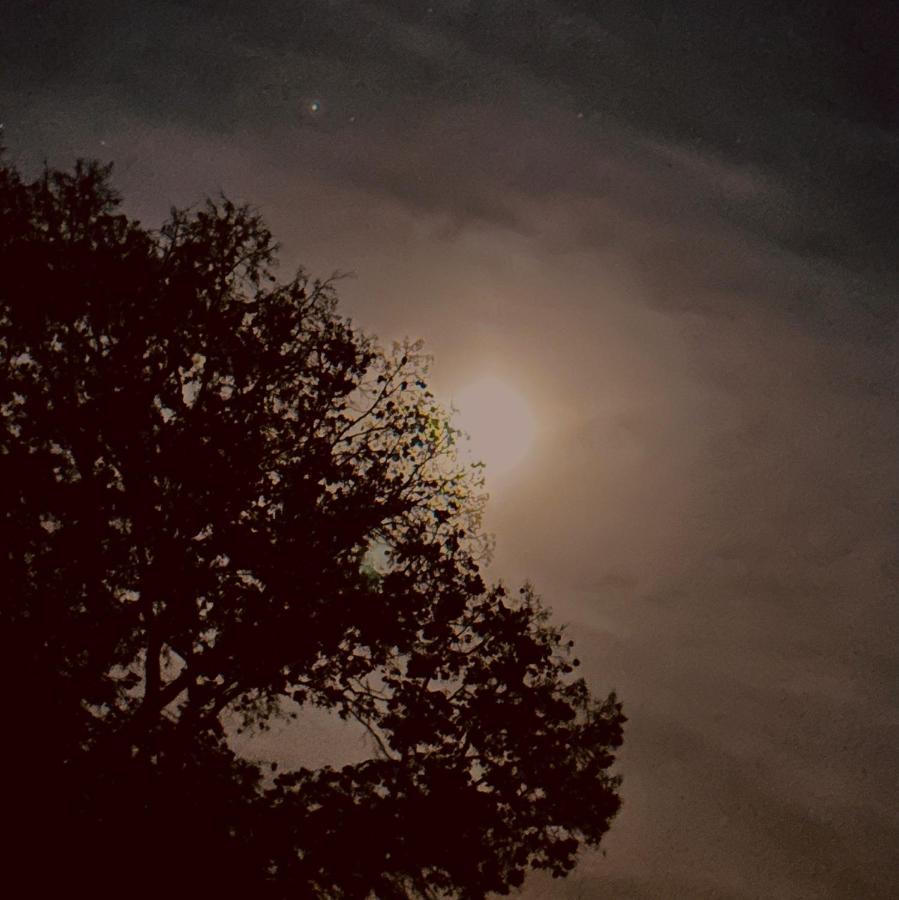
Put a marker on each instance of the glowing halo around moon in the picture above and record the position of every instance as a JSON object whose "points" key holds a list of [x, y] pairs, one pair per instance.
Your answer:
{"points": [[498, 421]]}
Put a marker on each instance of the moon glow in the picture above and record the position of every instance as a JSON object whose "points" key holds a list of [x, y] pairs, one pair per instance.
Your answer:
{"points": [[499, 423]]}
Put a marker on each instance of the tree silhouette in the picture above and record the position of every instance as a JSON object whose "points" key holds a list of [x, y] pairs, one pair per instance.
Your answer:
{"points": [[221, 502]]}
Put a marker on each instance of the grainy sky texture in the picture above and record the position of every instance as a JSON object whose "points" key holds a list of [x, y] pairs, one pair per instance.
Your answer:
{"points": [[673, 227]]}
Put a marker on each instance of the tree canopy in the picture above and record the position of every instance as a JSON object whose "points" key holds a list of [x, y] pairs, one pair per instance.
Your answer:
{"points": [[221, 502]]}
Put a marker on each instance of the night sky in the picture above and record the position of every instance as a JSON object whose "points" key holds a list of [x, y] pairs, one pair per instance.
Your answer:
{"points": [[672, 227]]}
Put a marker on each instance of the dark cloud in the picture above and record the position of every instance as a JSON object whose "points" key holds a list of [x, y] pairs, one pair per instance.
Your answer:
{"points": [[798, 91]]}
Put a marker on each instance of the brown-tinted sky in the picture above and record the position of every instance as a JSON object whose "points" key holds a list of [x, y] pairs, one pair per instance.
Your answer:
{"points": [[673, 227]]}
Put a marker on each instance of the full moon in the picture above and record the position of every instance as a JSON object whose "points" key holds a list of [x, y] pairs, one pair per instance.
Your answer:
{"points": [[498, 421]]}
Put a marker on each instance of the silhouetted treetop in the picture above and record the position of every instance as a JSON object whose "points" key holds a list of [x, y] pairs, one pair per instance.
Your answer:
{"points": [[221, 502]]}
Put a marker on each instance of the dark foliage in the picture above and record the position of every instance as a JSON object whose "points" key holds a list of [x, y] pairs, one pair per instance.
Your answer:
{"points": [[221, 502]]}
